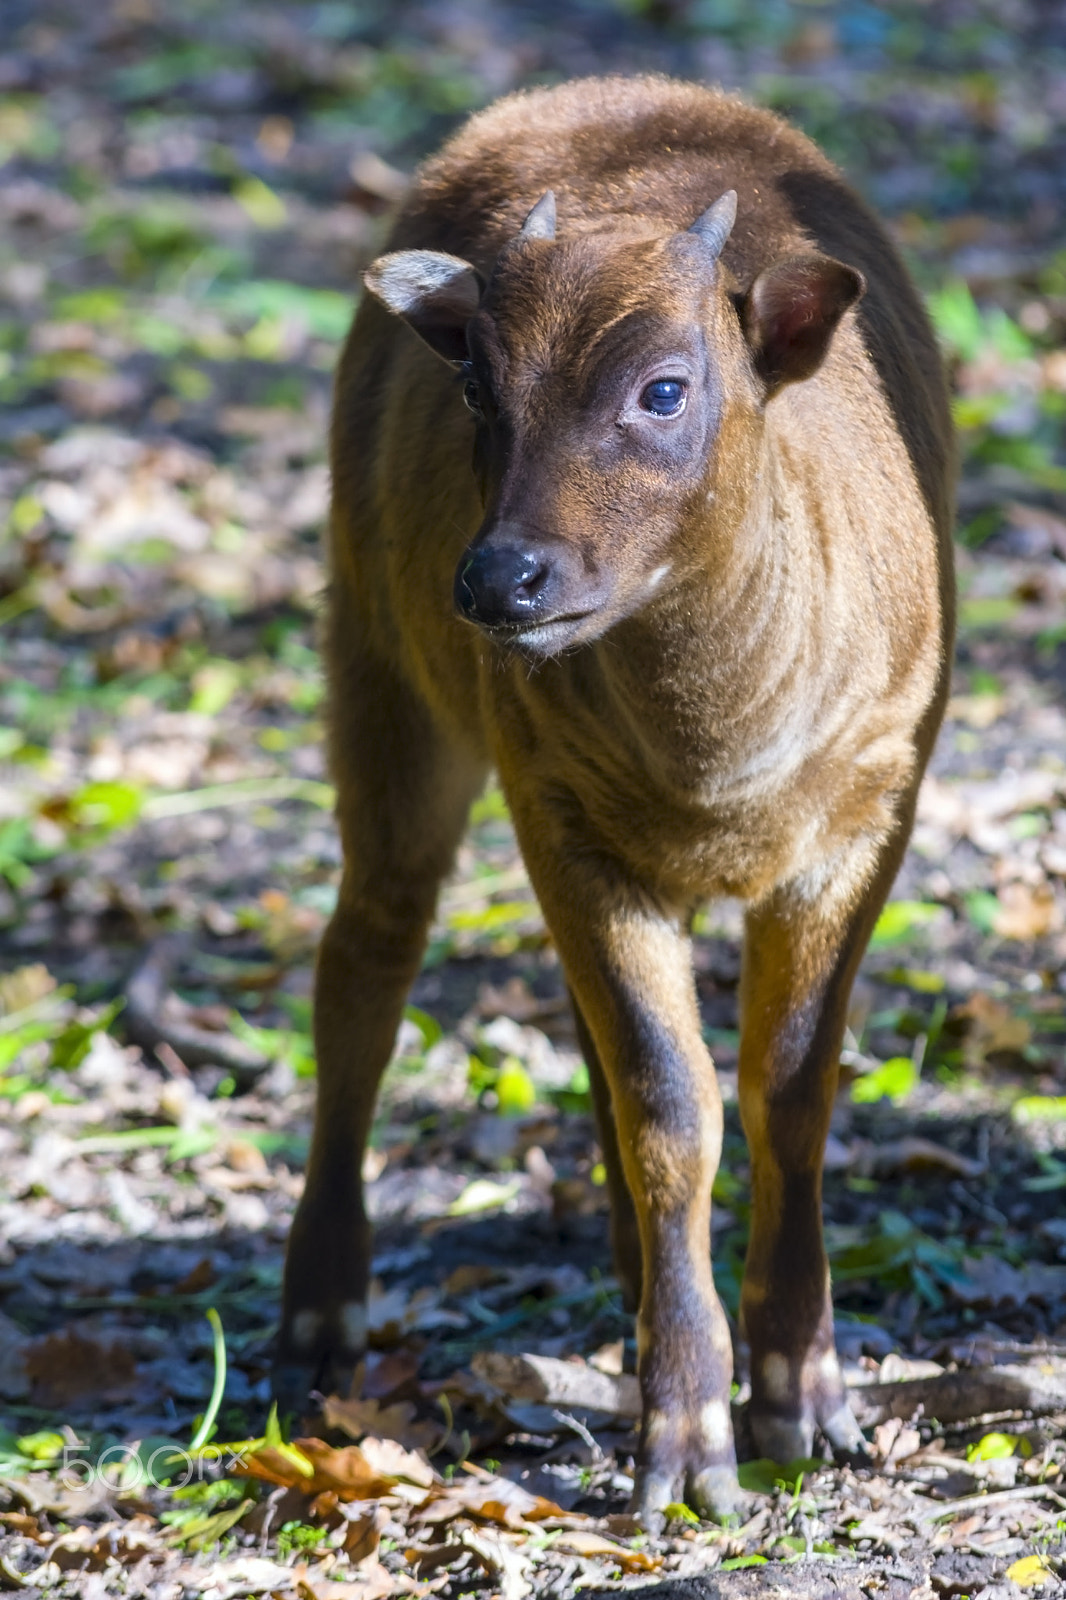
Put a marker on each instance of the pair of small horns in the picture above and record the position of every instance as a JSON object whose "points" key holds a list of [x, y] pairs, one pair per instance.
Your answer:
{"points": [[713, 227]]}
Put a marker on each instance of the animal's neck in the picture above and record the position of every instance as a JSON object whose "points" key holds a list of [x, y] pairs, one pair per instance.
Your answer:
{"points": [[731, 648]]}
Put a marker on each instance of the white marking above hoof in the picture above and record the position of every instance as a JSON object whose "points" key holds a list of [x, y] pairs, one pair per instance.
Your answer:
{"points": [[776, 1376], [656, 1424], [716, 1429], [829, 1367], [304, 1329], [353, 1325]]}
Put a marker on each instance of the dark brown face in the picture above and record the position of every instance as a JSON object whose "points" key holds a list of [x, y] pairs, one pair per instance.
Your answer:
{"points": [[600, 369], [595, 429]]}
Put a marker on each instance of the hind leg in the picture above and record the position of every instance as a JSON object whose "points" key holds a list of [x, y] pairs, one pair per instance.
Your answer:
{"points": [[404, 793]]}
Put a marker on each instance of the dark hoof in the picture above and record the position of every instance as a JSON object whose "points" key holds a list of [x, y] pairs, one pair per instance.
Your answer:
{"points": [[713, 1493], [309, 1362]]}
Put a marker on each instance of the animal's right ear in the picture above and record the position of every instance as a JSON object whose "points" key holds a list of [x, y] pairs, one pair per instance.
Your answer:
{"points": [[434, 293]]}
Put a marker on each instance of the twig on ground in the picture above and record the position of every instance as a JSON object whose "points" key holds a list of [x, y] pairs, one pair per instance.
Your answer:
{"points": [[977, 1502], [542, 1380], [147, 994], [964, 1395]]}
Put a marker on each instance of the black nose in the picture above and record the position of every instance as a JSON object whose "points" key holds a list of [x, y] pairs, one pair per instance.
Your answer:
{"points": [[501, 586]]}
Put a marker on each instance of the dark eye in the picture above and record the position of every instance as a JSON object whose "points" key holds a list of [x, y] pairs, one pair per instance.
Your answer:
{"points": [[470, 398], [665, 397]]}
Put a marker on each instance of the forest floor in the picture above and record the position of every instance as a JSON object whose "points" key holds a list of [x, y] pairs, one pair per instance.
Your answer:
{"points": [[187, 194]]}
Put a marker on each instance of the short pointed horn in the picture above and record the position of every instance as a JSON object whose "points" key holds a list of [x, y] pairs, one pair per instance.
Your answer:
{"points": [[540, 224], [716, 223]]}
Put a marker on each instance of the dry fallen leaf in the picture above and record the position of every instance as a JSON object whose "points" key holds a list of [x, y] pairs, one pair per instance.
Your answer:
{"points": [[581, 1543], [290, 931], [894, 1442], [374, 1582], [470, 1276], [1027, 911], [201, 1277], [609, 1358], [316, 1468], [426, 1558], [242, 1576], [24, 987], [363, 1534], [357, 1418], [501, 1560], [577, 1197], [93, 1548], [386, 1371], [988, 1028], [66, 1366], [390, 1459], [491, 1498], [28, 1526], [392, 1313]]}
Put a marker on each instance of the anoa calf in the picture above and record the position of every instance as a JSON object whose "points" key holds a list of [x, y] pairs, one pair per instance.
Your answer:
{"points": [[642, 494]]}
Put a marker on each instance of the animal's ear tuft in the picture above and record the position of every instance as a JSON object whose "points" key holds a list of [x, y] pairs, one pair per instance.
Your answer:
{"points": [[434, 293], [790, 314]]}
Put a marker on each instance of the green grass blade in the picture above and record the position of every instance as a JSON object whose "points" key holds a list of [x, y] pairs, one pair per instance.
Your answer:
{"points": [[203, 1432]]}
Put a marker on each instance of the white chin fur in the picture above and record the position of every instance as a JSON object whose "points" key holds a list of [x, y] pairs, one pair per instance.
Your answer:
{"points": [[547, 640]]}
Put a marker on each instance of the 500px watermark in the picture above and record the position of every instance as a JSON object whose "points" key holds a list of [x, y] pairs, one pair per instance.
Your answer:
{"points": [[126, 1467]]}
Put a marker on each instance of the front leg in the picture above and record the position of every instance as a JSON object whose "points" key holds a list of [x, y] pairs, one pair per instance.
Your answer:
{"points": [[625, 1234], [628, 963], [404, 789], [802, 948]]}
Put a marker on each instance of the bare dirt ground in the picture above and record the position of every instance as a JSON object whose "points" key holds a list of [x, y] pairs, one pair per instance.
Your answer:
{"points": [[187, 193]]}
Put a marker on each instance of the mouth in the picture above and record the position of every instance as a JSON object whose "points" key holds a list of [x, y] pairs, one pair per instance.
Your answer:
{"points": [[540, 639]]}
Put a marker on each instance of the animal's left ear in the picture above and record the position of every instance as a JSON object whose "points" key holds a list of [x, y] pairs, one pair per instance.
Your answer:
{"points": [[791, 311], [434, 293]]}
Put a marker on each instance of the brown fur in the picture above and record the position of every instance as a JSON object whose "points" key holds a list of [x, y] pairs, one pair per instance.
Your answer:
{"points": [[738, 698]]}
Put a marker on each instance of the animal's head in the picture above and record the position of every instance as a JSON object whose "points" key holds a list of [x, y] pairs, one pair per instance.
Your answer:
{"points": [[615, 382]]}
